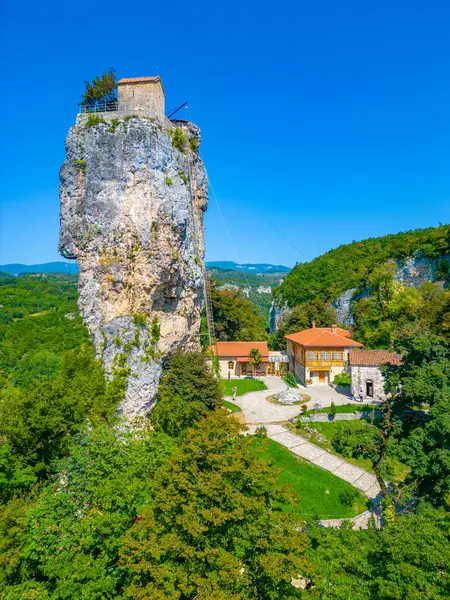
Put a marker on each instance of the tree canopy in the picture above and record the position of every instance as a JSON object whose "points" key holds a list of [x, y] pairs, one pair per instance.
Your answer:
{"points": [[102, 90]]}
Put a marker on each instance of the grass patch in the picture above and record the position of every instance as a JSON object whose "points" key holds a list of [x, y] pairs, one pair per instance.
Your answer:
{"points": [[322, 495], [321, 434], [243, 386], [232, 406]]}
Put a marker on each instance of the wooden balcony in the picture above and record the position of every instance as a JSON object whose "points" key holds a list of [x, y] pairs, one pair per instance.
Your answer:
{"points": [[324, 364]]}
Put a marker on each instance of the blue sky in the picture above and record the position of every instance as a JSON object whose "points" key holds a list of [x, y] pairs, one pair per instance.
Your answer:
{"points": [[323, 122]]}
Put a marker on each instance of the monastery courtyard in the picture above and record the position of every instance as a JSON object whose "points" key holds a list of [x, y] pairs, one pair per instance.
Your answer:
{"points": [[257, 409]]}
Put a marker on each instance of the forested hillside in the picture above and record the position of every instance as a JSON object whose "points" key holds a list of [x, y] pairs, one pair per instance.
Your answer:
{"points": [[345, 267], [185, 506]]}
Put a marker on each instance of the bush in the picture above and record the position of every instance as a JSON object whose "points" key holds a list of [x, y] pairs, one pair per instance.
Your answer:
{"points": [[94, 120], [187, 392], [357, 440], [342, 379], [178, 139], [261, 432], [290, 380], [347, 497]]}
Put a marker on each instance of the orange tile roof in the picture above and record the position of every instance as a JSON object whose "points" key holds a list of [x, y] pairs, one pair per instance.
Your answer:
{"points": [[374, 358], [139, 79], [240, 349], [318, 337]]}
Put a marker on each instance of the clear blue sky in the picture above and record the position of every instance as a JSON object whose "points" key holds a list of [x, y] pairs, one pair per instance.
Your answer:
{"points": [[324, 121]]}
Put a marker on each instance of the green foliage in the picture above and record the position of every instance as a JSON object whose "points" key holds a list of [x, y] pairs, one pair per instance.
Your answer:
{"points": [[355, 440], [254, 358], [72, 533], [345, 267], [235, 317], [226, 540], [168, 180], [114, 124], [102, 90], [93, 120], [81, 164], [140, 320], [301, 317], [155, 331], [408, 559], [129, 117], [342, 379], [194, 144], [187, 392], [252, 284], [184, 177], [179, 140], [289, 378], [422, 440]]}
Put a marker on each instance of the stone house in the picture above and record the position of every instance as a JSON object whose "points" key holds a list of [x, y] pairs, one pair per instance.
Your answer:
{"points": [[234, 359], [141, 95], [365, 372], [316, 355]]}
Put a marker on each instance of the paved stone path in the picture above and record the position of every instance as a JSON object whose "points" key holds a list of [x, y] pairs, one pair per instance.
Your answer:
{"points": [[357, 477]]}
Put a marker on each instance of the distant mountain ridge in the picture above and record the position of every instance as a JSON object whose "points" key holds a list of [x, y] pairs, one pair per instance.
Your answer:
{"points": [[50, 267], [228, 265], [63, 267]]}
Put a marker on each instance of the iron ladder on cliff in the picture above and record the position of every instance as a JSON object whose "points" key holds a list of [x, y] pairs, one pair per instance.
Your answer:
{"points": [[209, 308]]}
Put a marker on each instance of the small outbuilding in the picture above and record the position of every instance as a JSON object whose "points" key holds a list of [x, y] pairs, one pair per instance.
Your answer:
{"points": [[364, 366]]}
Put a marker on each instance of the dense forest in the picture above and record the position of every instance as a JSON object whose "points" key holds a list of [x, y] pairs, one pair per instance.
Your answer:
{"points": [[183, 507], [346, 267]]}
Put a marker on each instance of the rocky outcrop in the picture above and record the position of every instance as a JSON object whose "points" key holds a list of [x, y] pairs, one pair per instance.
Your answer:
{"points": [[418, 269], [132, 192], [412, 272], [277, 311], [343, 308]]}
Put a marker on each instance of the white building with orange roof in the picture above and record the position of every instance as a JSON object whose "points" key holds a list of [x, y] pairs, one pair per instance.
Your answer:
{"points": [[316, 355], [234, 359]]}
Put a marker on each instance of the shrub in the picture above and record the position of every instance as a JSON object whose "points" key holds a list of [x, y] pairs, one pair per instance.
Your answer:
{"points": [[194, 145], [333, 409], [347, 497], [357, 440], [114, 124], [81, 164], [187, 392], [342, 379], [93, 120], [261, 432], [290, 380], [179, 139], [168, 180]]}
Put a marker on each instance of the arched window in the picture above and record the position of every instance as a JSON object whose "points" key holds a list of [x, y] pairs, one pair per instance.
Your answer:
{"points": [[230, 364]]}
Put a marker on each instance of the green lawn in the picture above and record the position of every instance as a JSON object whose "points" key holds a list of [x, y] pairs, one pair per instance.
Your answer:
{"points": [[322, 434], [232, 406], [243, 386], [321, 493]]}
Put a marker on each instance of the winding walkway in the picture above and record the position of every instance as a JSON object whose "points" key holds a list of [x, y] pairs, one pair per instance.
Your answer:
{"points": [[355, 476]]}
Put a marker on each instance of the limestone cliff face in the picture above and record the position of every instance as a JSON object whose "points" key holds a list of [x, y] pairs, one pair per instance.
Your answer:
{"points": [[131, 214]]}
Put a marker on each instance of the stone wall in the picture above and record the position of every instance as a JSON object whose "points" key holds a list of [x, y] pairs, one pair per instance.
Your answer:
{"points": [[143, 98], [359, 377]]}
